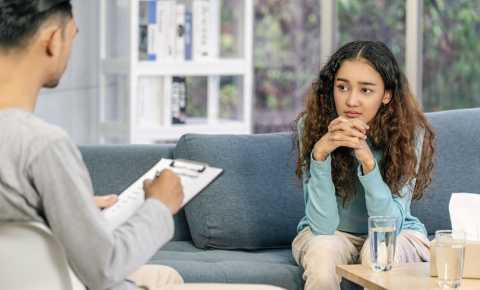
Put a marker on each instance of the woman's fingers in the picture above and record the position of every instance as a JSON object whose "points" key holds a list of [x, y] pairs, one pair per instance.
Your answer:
{"points": [[349, 129], [359, 124], [334, 123], [341, 139], [355, 123], [350, 144]]}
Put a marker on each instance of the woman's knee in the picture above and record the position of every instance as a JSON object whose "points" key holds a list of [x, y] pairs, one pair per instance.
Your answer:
{"points": [[310, 247], [327, 251], [412, 247], [409, 247], [365, 253]]}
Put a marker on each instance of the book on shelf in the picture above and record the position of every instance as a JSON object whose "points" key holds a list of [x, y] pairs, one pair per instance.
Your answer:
{"points": [[170, 29], [205, 29], [166, 12], [188, 35], [148, 30], [180, 31]]}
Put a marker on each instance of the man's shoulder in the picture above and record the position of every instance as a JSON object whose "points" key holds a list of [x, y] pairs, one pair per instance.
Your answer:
{"points": [[25, 137], [29, 130], [39, 129]]}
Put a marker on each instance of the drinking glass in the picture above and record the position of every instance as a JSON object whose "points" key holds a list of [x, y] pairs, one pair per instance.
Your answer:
{"points": [[449, 251], [382, 235]]}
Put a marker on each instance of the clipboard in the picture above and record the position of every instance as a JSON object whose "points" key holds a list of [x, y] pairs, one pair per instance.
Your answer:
{"points": [[194, 176]]}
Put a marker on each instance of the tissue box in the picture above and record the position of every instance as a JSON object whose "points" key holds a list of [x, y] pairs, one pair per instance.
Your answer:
{"points": [[471, 266]]}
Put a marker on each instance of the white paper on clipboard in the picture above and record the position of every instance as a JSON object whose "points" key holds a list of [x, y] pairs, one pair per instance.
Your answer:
{"points": [[194, 177]]}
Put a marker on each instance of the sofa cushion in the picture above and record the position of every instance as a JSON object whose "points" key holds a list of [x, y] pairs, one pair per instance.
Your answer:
{"points": [[258, 200], [274, 267], [456, 168]]}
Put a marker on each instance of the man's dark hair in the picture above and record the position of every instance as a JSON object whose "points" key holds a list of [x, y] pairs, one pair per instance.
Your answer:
{"points": [[21, 19]]}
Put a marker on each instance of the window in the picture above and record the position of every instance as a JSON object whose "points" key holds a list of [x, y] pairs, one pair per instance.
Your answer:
{"points": [[451, 53], [287, 47], [373, 20], [286, 60]]}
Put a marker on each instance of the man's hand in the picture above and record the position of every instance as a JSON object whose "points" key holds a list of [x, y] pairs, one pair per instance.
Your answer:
{"points": [[105, 201], [167, 188]]}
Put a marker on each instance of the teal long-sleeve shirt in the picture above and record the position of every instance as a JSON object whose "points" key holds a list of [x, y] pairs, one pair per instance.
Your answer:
{"points": [[325, 212]]}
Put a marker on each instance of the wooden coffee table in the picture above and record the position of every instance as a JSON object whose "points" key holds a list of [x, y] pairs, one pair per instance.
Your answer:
{"points": [[413, 276]]}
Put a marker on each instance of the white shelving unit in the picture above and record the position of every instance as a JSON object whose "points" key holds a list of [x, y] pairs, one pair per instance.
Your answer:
{"points": [[121, 72]]}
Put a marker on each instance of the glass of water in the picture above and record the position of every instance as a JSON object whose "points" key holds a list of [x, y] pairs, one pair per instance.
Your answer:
{"points": [[382, 235], [449, 251]]}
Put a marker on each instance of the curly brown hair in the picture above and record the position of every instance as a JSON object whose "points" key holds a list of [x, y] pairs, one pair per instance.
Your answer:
{"points": [[393, 130]]}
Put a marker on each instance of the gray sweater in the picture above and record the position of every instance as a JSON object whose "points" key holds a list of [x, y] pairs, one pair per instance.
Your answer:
{"points": [[43, 178]]}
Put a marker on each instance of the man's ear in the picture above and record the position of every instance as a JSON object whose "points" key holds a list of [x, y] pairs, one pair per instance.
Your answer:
{"points": [[387, 97], [51, 39]]}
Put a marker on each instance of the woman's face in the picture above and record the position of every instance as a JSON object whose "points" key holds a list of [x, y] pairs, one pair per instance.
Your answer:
{"points": [[359, 90]]}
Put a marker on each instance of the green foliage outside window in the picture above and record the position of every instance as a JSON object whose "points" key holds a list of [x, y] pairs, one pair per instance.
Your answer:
{"points": [[377, 20], [451, 54], [286, 59]]}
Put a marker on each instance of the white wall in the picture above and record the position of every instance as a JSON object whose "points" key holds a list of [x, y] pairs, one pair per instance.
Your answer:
{"points": [[70, 106]]}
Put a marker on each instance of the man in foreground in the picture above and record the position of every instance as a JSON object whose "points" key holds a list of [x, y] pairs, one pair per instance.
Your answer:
{"points": [[43, 177]]}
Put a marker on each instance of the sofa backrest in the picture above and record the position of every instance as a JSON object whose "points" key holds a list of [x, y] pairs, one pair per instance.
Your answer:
{"points": [[457, 165], [113, 168], [457, 168]]}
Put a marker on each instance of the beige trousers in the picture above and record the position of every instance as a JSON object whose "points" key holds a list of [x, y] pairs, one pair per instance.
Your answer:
{"points": [[157, 277], [320, 254]]}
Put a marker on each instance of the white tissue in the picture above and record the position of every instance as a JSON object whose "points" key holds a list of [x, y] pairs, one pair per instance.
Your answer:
{"points": [[465, 214]]}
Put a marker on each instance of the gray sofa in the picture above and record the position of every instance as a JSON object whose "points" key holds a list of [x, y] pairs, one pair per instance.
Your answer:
{"points": [[240, 228]]}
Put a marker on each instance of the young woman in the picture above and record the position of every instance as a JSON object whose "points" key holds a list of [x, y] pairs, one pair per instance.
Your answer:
{"points": [[365, 150]]}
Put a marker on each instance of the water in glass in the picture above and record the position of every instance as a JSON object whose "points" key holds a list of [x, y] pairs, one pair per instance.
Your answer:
{"points": [[383, 248], [450, 251]]}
